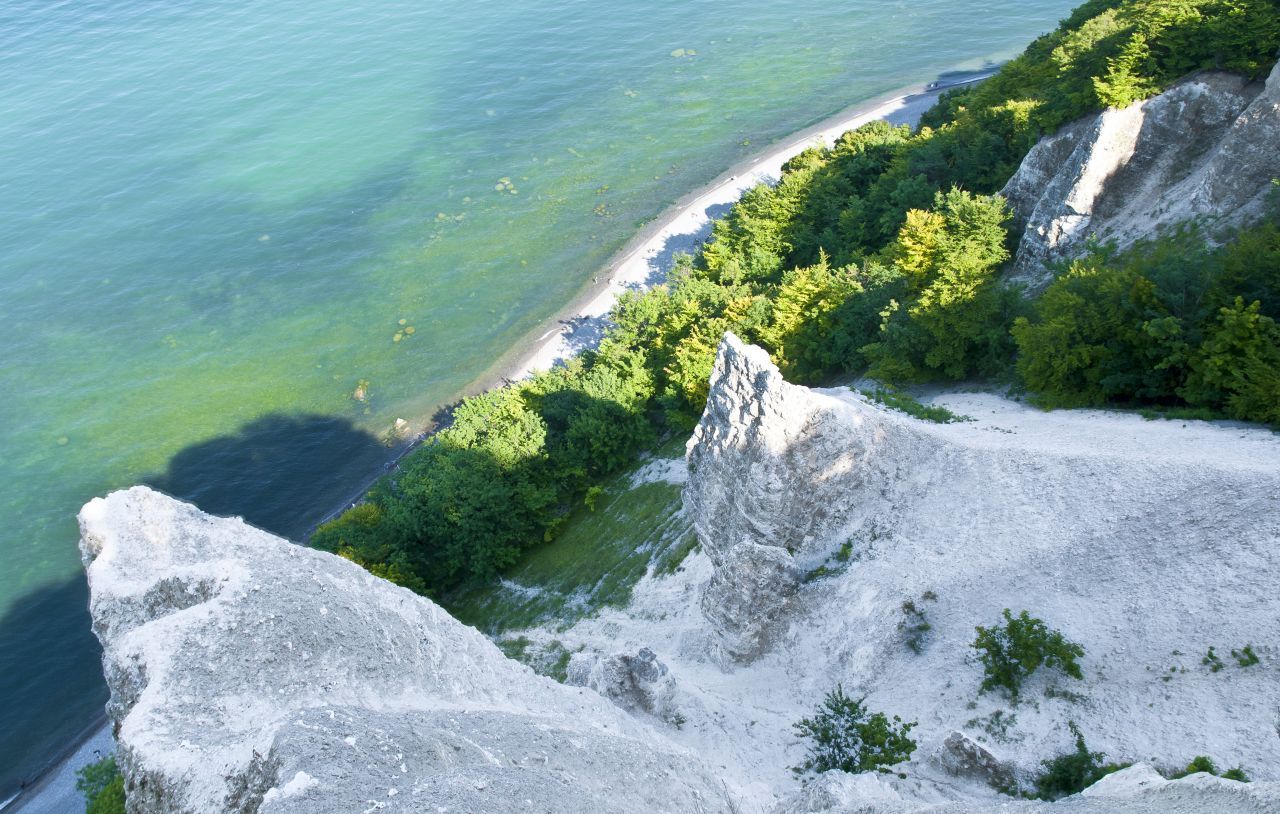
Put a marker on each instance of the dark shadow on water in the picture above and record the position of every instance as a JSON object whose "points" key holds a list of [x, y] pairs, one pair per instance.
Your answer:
{"points": [[281, 473], [52, 680]]}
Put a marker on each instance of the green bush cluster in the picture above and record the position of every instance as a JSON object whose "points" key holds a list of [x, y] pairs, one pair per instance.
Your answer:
{"points": [[1023, 645], [906, 403], [1170, 322], [102, 786], [1202, 763], [1245, 657], [1073, 772], [1212, 661], [845, 736], [879, 254], [915, 625], [500, 477]]}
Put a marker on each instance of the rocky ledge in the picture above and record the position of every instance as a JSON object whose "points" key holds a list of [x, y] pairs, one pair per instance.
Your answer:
{"points": [[250, 674]]}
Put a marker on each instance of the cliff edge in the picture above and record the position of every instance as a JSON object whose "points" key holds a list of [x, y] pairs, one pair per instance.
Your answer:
{"points": [[249, 674]]}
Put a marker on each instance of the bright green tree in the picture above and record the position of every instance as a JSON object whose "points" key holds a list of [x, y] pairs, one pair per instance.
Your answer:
{"points": [[1012, 652]]}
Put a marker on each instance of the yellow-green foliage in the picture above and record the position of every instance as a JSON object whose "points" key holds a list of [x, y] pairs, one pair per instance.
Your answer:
{"points": [[102, 786], [1165, 324], [881, 250], [957, 324]]}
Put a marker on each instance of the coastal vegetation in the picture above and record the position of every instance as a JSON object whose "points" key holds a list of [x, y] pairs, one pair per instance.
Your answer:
{"points": [[843, 735], [102, 786], [1012, 652], [880, 255], [1171, 322]]}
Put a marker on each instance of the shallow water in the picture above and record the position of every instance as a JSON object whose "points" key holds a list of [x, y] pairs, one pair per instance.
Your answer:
{"points": [[216, 217]]}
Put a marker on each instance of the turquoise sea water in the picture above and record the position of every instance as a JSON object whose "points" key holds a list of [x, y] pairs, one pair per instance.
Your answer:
{"points": [[215, 215]]}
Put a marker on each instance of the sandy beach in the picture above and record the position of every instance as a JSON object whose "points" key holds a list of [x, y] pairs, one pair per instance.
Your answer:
{"points": [[683, 228], [644, 262]]}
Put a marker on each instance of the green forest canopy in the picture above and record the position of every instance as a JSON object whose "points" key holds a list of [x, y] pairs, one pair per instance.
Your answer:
{"points": [[881, 254]]}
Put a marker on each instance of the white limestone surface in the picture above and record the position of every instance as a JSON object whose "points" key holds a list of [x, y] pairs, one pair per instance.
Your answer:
{"points": [[251, 674], [1145, 541]]}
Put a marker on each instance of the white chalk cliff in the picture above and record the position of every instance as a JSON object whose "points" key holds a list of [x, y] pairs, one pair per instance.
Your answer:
{"points": [[1147, 542], [249, 674], [775, 467], [1206, 151]]}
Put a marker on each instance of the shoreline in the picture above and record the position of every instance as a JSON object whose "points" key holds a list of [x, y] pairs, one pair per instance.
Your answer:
{"points": [[641, 263], [646, 258], [684, 226]]}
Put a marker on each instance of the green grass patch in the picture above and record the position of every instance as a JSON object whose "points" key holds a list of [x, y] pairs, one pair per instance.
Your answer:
{"points": [[595, 559], [904, 403]]}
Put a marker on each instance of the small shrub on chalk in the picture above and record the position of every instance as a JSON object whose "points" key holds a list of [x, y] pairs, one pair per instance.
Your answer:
{"points": [[1011, 653], [845, 736]]}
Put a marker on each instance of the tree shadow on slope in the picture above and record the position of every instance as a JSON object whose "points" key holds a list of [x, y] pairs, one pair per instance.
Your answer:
{"points": [[281, 473]]}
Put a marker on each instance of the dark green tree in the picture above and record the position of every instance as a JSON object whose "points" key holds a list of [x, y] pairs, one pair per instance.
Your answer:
{"points": [[1073, 772], [102, 786], [845, 736]]}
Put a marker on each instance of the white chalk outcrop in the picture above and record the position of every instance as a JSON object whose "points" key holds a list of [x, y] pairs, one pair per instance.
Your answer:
{"points": [[1145, 541], [249, 674], [1205, 150], [771, 466]]}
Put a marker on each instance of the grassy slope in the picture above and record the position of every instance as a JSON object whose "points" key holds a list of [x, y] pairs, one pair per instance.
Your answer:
{"points": [[594, 561]]}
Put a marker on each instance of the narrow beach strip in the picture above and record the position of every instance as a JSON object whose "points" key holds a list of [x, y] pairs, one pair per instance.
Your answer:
{"points": [[686, 225]]}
